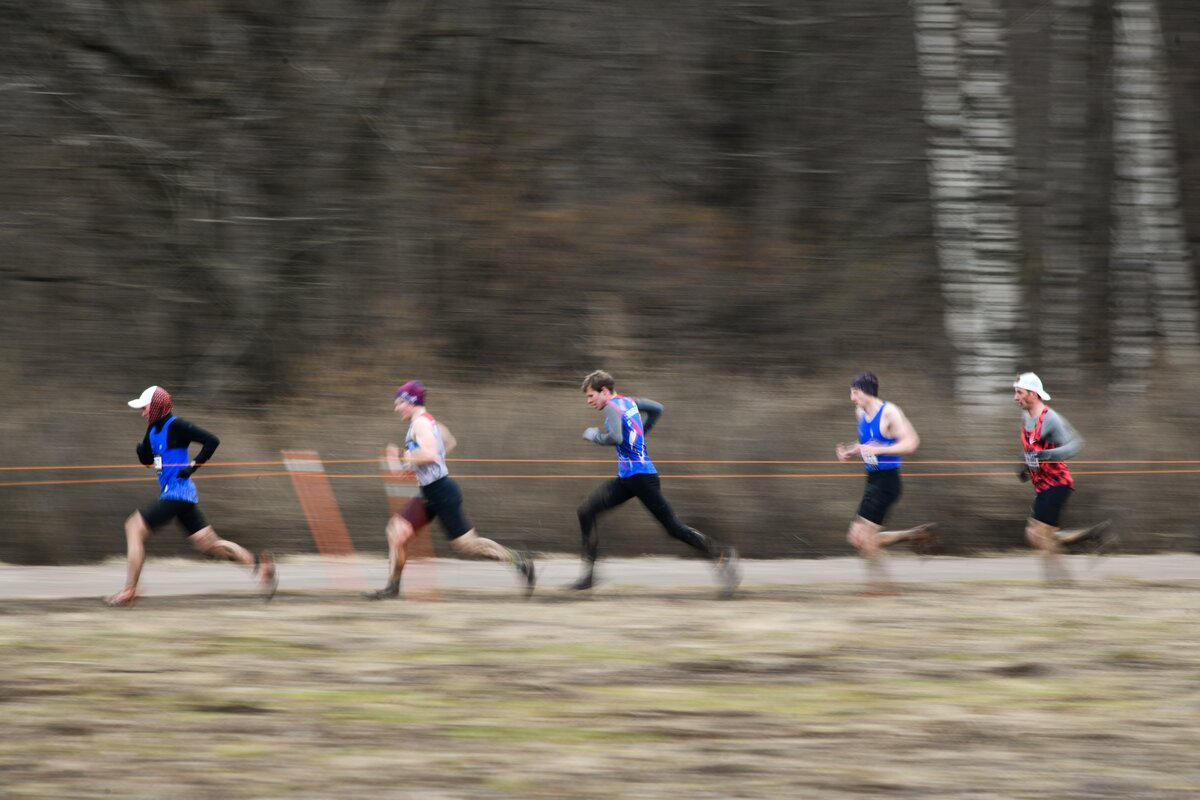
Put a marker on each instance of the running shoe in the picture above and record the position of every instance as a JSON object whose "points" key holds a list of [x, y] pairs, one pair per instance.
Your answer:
{"points": [[386, 593], [729, 573], [524, 565], [924, 540], [268, 576], [1098, 540], [585, 581]]}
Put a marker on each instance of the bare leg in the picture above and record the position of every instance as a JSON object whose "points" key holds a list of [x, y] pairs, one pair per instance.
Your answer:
{"points": [[1079, 534], [136, 532], [918, 533], [864, 535], [1043, 539], [472, 544], [399, 532], [207, 542]]}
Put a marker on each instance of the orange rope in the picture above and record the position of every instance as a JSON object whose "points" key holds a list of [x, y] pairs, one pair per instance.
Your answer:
{"points": [[1014, 461], [711, 476]]}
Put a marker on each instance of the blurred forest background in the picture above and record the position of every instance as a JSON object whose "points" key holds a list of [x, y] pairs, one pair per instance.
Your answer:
{"points": [[281, 210]]}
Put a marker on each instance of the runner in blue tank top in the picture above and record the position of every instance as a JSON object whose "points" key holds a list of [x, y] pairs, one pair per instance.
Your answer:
{"points": [[884, 436], [626, 429], [165, 448]]}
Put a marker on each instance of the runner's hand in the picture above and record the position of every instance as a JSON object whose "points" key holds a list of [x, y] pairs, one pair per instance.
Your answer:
{"points": [[186, 472], [1023, 473], [591, 433]]}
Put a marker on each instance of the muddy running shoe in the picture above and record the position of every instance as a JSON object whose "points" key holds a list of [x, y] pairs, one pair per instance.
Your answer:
{"points": [[524, 565], [585, 581], [386, 593], [729, 573], [268, 576], [924, 540], [122, 599], [1098, 540]]}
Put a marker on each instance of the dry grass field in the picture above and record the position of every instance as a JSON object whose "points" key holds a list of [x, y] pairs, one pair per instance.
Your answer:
{"points": [[976, 690]]}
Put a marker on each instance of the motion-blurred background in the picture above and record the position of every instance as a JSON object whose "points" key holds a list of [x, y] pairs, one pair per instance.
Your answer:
{"points": [[281, 210]]}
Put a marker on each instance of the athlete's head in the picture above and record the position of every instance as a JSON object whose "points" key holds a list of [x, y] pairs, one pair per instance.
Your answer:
{"points": [[867, 383], [863, 390], [409, 398], [598, 388], [155, 404], [1028, 391]]}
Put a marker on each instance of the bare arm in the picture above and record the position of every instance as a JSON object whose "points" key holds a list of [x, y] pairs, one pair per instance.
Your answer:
{"points": [[895, 426], [448, 440], [426, 451]]}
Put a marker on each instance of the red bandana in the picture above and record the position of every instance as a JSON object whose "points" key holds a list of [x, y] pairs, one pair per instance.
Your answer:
{"points": [[160, 405]]}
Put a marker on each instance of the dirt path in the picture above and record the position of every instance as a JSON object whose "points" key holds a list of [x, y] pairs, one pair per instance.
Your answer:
{"points": [[173, 577]]}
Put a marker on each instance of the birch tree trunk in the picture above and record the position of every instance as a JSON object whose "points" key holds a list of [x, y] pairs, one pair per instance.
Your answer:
{"points": [[968, 107], [1060, 316], [1151, 275]]}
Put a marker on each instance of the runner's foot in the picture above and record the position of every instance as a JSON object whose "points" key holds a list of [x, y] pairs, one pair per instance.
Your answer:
{"points": [[1098, 540], [386, 593], [728, 572], [524, 564], [126, 597], [268, 576], [924, 539], [586, 580]]}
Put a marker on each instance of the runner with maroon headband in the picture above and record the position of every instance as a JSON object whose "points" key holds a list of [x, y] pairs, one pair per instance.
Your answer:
{"points": [[1047, 441], [165, 447], [425, 447]]}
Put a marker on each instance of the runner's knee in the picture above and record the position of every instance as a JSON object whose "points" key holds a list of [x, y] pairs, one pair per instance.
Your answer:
{"points": [[205, 540], [471, 544], [399, 530], [136, 525]]}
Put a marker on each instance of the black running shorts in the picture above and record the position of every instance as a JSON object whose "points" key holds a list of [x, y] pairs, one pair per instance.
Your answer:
{"points": [[1049, 503], [883, 489], [189, 515], [441, 500]]}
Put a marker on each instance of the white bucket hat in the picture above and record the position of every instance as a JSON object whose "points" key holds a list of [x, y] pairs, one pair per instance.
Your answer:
{"points": [[145, 399], [1032, 383]]}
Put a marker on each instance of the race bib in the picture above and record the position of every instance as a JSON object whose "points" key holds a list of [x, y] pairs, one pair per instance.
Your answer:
{"points": [[1031, 460], [158, 464], [871, 460]]}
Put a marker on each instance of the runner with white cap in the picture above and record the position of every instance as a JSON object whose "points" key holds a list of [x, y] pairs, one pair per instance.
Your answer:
{"points": [[165, 448], [1047, 441]]}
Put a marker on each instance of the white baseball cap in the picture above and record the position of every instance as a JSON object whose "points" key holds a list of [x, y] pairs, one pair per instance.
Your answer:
{"points": [[1029, 381], [145, 399]]}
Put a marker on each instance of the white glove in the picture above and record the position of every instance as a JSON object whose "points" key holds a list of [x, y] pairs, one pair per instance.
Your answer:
{"points": [[591, 433]]}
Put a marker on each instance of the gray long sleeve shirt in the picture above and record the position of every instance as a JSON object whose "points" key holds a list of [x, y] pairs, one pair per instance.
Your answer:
{"points": [[613, 433], [1058, 432]]}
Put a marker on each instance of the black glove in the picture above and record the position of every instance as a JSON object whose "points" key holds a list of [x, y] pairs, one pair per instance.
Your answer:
{"points": [[186, 472], [1023, 473]]}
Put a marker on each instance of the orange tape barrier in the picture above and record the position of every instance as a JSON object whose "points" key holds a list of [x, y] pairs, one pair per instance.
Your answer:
{"points": [[607, 475], [1014, 461]]}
